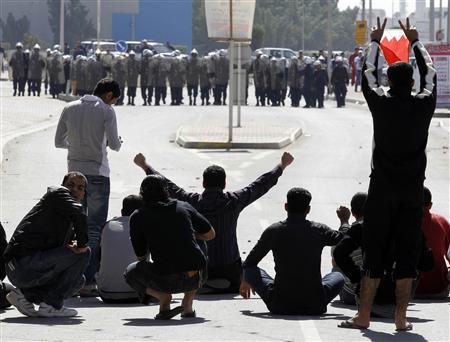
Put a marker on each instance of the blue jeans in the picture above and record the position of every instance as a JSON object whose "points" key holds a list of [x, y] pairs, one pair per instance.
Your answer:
{"points": [[96, 202], [48, 276], [263, 284]]}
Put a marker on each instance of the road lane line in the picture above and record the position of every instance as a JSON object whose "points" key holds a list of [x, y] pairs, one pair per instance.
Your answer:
{"points": [[245, 164], [262, 155], [309, 331]]}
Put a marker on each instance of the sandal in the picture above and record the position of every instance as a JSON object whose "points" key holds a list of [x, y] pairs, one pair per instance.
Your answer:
{"points": [[191, 314], [168, 314], [351, 325]]}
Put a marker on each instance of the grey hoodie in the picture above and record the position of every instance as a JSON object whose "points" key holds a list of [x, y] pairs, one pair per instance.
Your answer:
{"points": [[85, 128]]}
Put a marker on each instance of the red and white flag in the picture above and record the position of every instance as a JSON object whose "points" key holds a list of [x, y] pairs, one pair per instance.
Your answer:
{"points": [[395, 46]]}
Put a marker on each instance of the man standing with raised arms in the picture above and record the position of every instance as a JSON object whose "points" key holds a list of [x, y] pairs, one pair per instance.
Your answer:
{"points": [[395, 198]]}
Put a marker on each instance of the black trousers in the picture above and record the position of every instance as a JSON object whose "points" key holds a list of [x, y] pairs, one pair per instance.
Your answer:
{"points": [[260, 95], [231, 272], [19, 84], [392, 221], [36, 86], [131, 91], [204, 93], [192, 90], [295, 96], [176, 95], [340, 90], [318, 97]]}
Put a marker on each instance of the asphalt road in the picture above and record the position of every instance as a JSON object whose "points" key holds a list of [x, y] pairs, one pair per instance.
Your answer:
{"points": [[332, 160]]}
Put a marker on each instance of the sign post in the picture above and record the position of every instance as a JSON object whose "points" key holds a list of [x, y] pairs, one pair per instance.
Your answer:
{"points": [[440, 53], [361, 32], [230, 21], [121, 46]]}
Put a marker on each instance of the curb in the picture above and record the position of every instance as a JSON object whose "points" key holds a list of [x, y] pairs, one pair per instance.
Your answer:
{"points": [[186, 143]]}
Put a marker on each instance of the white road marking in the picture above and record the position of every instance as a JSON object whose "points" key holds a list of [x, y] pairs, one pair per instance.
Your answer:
{"points": [[309, 331], [245, 164], [257, 206], [262, 155]]}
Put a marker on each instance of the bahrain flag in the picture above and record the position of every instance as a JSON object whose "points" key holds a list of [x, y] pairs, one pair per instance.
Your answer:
{"points": [[395, 46]]}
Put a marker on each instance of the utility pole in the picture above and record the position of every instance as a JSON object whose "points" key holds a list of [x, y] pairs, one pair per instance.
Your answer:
{"points": [[303, 25], [432, 21], [98, 23], [329, 41], [61, 26], [370, 15], [448, 22], [440, 15], [363, 15]]}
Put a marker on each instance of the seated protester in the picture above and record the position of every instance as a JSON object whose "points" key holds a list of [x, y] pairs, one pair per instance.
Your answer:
{"points": [[344, 252], [357, 203], [222, 209], [435, 283], [5, 288], [296, 244], [116, 253], [48, 254], [167, 229]]}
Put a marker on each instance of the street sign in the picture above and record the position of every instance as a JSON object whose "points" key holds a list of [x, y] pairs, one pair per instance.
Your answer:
{"points": [[440, 53], [121, 46], [361, 32]]}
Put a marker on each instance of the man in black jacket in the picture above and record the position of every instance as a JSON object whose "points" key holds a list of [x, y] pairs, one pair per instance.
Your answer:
{"points": [[48, 254], [296, 244], [393, 212], [222, 209]]}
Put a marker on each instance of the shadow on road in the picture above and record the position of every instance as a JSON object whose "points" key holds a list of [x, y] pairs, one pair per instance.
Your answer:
{"points": [[149, 322], [44, 321], [269, 315], [398, 336]]}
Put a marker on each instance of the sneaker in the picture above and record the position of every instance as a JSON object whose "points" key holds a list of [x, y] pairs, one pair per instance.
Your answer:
{"points": [[89, 291], [16, 298], [46, 310]]}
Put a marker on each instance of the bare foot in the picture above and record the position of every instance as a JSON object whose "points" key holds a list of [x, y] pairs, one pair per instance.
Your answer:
{"points": [[403, 326]]}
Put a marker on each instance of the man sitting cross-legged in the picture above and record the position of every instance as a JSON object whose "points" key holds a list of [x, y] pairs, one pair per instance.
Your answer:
{"points": [[43, 259], [296, 244], [167, 229], [222, 209]]}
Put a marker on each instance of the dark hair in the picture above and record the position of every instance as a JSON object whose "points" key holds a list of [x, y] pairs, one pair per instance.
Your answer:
{"points": [[74, 174], [214, 176], [154, 189], [107, 85], [130, 204], [298, 200], [427, 198], [358, 203], [400, 74]]}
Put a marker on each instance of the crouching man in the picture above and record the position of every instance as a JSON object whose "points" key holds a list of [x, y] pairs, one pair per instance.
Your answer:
{"points": [[48, 254], [167, 229]]}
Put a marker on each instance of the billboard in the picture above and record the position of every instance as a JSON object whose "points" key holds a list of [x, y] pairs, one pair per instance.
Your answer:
{"points": [[441, 60]]}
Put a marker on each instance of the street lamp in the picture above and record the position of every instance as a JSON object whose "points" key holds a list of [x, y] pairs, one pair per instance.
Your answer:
{"points": [[61, 25]]}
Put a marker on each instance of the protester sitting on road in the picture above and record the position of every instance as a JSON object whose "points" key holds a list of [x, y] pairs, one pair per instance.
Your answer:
{"points": [[116, 253], [435, 283], [5, 288], [357, 203], [167, 230], [296, 244], [222, 209], [348, 258], [44, 261]]}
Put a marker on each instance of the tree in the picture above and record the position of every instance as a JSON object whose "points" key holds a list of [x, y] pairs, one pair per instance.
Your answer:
{"points": [[14, 30], [77, 26], [257, 37]]}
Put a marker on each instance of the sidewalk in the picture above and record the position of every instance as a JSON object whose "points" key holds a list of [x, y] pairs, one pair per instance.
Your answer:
{"points": [[358, 98]]}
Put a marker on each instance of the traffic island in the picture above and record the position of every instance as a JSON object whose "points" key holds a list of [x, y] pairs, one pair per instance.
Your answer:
{"points": [[249, 136]]}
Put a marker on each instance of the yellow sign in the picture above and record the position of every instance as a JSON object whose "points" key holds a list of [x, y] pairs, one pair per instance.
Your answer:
{"points": [[361, 32]]}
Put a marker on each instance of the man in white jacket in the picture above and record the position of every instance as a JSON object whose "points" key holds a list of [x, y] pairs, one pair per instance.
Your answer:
{"points": [[86, 127]]}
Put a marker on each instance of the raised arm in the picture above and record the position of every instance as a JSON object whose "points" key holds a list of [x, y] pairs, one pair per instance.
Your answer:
{"points": [[263, 184], [369, 83], [174, 190], [61, 133], [427, 71]]}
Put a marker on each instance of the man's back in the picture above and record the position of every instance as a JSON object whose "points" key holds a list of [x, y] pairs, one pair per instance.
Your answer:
{"points": [[85, 128], [400, 120], [297, 246], [116, 254]]}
